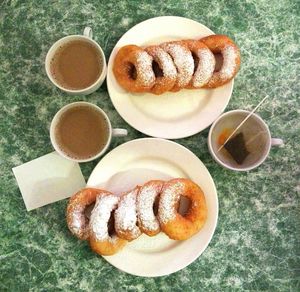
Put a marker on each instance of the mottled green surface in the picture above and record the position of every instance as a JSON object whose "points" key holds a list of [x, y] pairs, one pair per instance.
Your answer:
{"points": [[256, 244]]}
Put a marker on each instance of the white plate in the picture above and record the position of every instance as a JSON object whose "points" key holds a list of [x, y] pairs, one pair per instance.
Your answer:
{"points": [[136, 162], [171, 115]]}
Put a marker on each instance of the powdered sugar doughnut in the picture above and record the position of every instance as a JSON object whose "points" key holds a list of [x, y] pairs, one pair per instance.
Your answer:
{"points": [[146, 197], [175, 225], [101, 241], [164, 70], [221, 44], [126, 216], [133, 69], [183, 61], [77, 220], [204, 62]]}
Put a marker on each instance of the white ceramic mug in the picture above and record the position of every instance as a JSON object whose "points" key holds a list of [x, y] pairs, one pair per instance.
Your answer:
{"points": [[87, 36], [112, 132], [254, 127]]}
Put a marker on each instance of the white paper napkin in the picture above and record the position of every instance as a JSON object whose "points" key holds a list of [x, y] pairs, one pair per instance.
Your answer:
{"points": [[48, 179]]}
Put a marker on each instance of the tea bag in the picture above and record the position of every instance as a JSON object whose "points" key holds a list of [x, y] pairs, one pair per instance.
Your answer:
{"points": [[237, 148]]}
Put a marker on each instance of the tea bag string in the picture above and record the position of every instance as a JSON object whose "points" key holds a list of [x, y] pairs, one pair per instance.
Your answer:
{"points": [[243, 122], [255, 137]]}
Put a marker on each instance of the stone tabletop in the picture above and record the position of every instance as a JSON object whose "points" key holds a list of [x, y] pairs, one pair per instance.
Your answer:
{"points": [[256, 243]]}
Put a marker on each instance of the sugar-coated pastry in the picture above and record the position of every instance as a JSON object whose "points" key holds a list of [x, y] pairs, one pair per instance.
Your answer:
{"points": [[175, 65], [149, 209], [183, 60], [146, 198], [133, 69], [164, 70], [126, 216], [77, 220], [204, 61], [101, 241], [175, 225], [222, 44]]}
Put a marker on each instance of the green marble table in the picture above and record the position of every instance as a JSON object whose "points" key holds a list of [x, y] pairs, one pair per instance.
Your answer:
{"points": [[256, 243]]}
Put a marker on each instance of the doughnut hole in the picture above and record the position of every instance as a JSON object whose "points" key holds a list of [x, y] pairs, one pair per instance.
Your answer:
{"points": [[184, 205], [219, 61], [174, 63], [196, 61], [111, 224], [158, 72], [88, 210], [155, 206], [131, 71]]}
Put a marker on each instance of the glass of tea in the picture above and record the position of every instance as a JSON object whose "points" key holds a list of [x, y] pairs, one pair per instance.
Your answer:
{"points": [[247, 148], [81, 131], [76, 64]]}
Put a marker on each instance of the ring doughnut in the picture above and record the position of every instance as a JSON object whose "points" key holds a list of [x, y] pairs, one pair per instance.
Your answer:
{"points": [[133, 69], [146, 198], [164, 70], [183, 61], [100, 239], [77, 220], [126, 216], [204, 62], [175, 225], [221, 44]]}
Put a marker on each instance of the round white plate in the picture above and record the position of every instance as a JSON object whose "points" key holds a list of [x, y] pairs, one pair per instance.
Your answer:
{"points": [[170, 115], [136, 162]]}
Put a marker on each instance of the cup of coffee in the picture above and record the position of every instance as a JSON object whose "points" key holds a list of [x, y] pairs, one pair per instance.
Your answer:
{"points": [[249, 146], [76, 64], [81, 131]]}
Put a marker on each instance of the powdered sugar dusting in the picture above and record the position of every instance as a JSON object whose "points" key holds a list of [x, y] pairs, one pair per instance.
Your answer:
{"points": [[183, 61], [100, 215], [78, 220], [229, 62], [144, 68], [126, 214], [169, 197], [205, 67], [162, 57], [145, 201]]}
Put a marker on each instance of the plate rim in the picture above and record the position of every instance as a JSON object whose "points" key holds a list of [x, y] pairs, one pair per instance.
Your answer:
{"points": [[215, 222], [144, 130]]}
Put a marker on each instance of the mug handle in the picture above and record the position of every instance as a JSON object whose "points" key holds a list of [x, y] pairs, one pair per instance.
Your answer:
{"points": [[88, 32], [277, 142], [119, 132]]}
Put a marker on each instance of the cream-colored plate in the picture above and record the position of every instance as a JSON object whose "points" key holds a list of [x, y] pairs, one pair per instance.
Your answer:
{"points": [[170, 115], [136, 162]]}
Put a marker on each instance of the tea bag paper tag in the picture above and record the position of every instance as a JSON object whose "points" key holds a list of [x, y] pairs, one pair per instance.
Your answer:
{"points": [[48, 179]]}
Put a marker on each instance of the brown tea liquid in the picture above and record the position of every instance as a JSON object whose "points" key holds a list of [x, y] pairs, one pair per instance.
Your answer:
{"points": [[76, 65], [81, 132]]}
